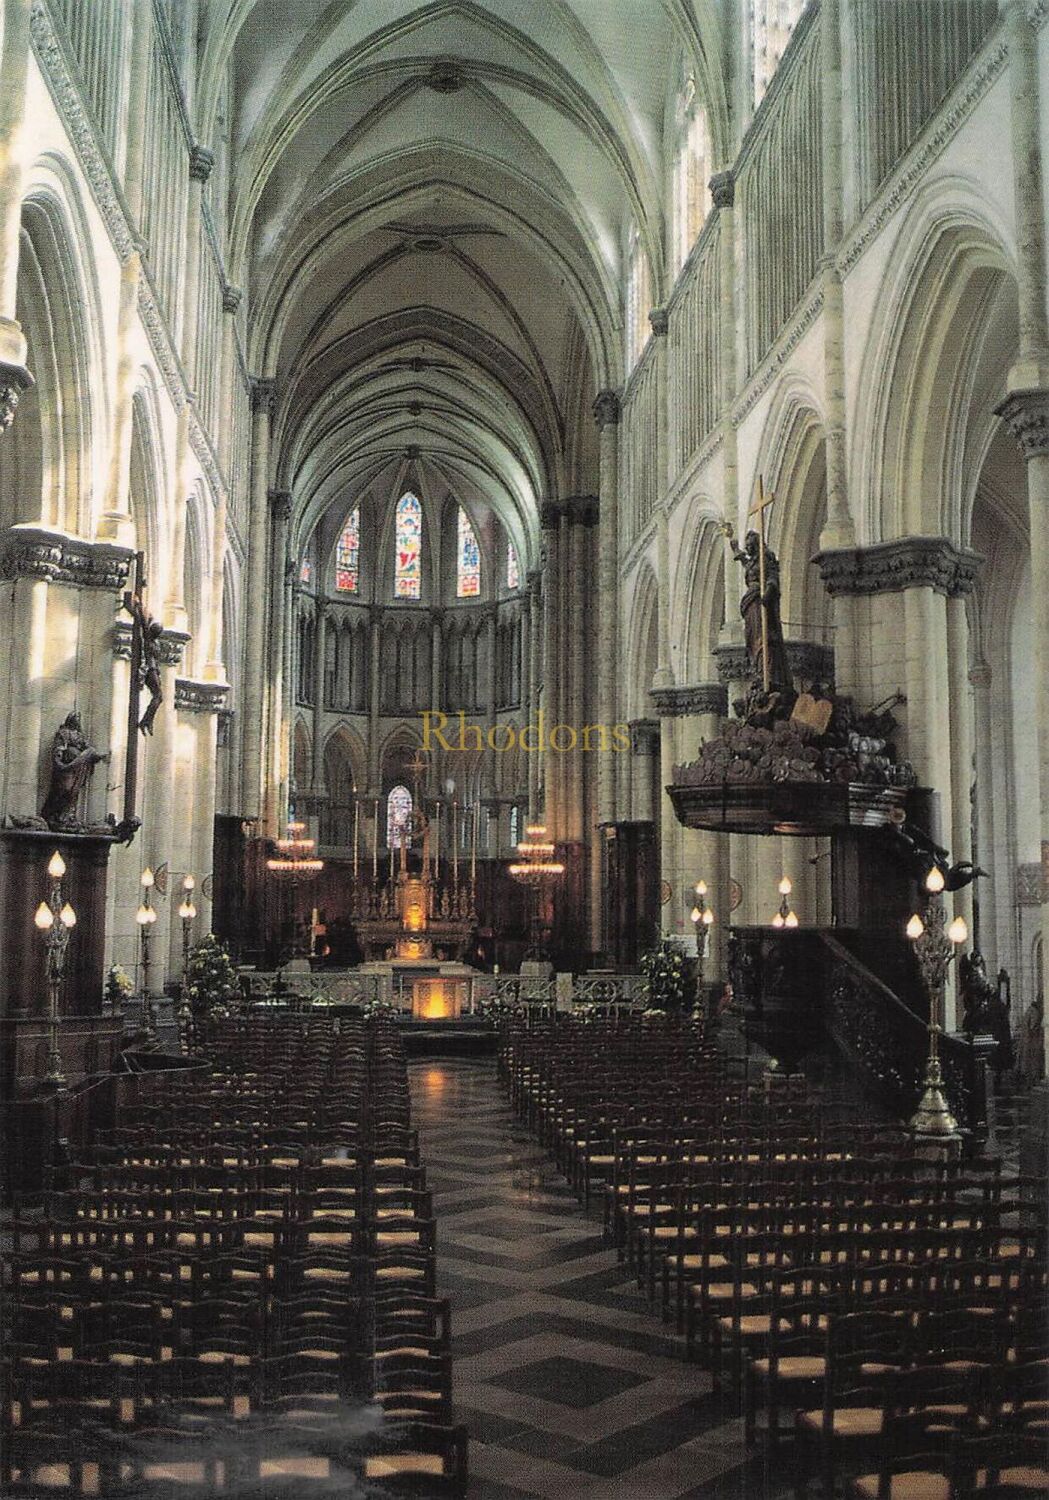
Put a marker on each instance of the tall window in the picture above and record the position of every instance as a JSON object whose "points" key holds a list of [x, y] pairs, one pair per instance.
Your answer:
{"points": [[513, 576], [398, 817], [407, 577], [348, 555], [771, 23], [468, 560], [515, 825], [306, 571], [691, 172], [638, 298]]}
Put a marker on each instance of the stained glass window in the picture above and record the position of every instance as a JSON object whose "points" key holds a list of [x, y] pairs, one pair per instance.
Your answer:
{"points": [[513, 577], [407, 577], [398, 817], [348, 555], [515, 825], [306, 571], [468, 578]]}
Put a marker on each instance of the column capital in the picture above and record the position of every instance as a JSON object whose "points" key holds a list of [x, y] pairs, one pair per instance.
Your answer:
{"points": [[659, 321], [809, 661], [607, 409], [263, 394], [231, 297], [891, 567], [723, 189], [980, 674], [687, 702], [1026, 414], [14, 379], [201, 161], [549, 515]]}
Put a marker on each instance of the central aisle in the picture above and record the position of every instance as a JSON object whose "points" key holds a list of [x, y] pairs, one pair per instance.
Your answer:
{"points": [[568, 1385]]}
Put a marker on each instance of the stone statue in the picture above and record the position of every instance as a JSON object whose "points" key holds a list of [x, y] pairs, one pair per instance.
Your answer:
{"points": [[758, 622], [72, 761], [984, 1010]]}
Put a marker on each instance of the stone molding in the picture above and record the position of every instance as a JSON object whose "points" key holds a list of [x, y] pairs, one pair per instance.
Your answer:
{"points": [[723, 189], [200, 697], [576, 510], [1026, 414], [688, 702], [37, 552], [232, 296], [607, 409], [171, 645], [14, 379], [891, 567], [644, 736], [781, 350], [808, 660]]}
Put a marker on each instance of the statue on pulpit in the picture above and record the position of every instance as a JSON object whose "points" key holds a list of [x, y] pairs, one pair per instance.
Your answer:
{"points": [[72, 762], [760, 608]]}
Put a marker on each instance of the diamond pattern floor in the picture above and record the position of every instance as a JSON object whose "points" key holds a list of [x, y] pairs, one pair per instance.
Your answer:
{"points": [[569, 1386]]}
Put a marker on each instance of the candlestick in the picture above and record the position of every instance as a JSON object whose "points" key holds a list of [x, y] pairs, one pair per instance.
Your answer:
{"points": [[437, 844], [356, 831], [473, 844], [375, 846], [455, 841]]}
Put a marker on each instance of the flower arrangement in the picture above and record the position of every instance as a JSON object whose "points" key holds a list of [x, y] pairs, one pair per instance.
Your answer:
{"points": [[119, 985], [211, 980], [668, 978]]}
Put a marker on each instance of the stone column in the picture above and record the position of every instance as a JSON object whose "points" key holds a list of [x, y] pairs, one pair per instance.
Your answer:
{"points": [[263, 400], [14, 67], [490, 786], [644, 747], [319, 702], [981, 678], [374, 780], [436, 637], [961, 730], [1026, 408], [687, 716], [280, 690], [606, 415], [549, 519], [838, 531], [536, 600]]}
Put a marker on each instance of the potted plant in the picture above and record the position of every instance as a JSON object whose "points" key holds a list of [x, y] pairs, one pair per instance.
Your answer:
{"points": [[668, 978], [211, 980]]}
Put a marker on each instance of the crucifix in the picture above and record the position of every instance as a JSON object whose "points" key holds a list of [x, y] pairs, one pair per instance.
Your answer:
{"points": [[759, 510], [145, 672], [418, 821]]}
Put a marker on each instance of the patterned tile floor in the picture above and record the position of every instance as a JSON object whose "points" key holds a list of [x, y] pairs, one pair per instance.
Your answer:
{"points": [[569, 1386]]}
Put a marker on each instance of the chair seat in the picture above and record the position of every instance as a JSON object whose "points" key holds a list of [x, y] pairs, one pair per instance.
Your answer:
{"points": [[794, 1366], [849, 1421], [391, 1465], [752, 1325]]}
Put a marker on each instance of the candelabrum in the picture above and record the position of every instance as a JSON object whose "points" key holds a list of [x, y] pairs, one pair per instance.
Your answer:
{"points": [[534, 867], [56, 919], [785, 916], [702, 921], [187, 912], [146, 916], [936, 944]]}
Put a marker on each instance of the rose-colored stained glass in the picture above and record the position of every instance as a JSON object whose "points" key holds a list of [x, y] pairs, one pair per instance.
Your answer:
{"points": [[348, 555], [407, 577]]}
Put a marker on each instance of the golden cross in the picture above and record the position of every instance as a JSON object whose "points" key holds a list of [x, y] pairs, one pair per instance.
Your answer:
{"points": [[759, 511]]}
